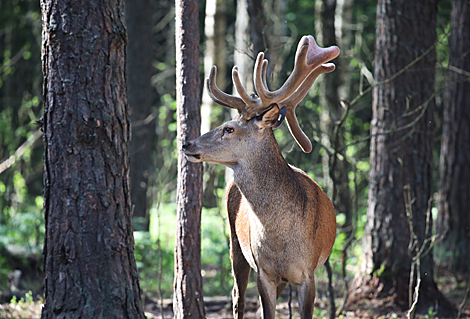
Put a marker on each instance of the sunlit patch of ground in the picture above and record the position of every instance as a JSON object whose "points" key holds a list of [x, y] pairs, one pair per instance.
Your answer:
{"points": [[21, 310]]}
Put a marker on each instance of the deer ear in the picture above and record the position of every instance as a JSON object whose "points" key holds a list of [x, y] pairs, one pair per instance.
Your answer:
{"points": [[282, 116], [268, 118]]}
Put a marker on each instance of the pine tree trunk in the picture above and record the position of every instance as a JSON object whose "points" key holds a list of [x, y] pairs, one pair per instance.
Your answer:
{"points": [[453, 221], [140, 97], [401, 153], [89, 247], [188, 297]]}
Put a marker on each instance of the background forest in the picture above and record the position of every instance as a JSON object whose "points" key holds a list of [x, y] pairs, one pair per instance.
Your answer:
{"points": [[232, 33]]}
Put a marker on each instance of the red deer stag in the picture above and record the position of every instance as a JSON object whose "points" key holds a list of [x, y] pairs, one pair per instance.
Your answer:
{"points": [[281, 222]]}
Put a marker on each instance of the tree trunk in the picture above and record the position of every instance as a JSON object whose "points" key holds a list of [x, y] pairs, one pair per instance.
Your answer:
{"points": [[89, 246], [453, 221], [140, 96], [215, 53], [401, 154], [343, 31], [335, 170], [258, 36], [241, 59], [188, 297]]}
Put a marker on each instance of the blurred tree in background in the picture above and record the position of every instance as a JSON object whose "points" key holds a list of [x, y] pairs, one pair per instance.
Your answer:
{"points": [[141, 97], [453, 222], [340, 161]]}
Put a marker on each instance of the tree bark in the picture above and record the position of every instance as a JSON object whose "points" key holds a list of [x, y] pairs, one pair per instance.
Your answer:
{"points": [[453, 221], [401, 153], [188, 297], [140, 95], [89, 246]]}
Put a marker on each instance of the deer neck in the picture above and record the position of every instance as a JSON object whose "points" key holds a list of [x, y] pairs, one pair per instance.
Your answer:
{"points": [[267, 181]]}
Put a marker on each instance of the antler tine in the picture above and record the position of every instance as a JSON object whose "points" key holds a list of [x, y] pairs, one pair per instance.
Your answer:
{"points": [[220, 97], [292, 102], [250, 101], [259, 78], [295, 79], [264, 68], [255, 104], [308, 57]]}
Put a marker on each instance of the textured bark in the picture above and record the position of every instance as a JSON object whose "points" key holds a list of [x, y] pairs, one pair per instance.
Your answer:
{"points": [[453, 221], [89, 247], [140, 96], [401, 150], [188, 297]]}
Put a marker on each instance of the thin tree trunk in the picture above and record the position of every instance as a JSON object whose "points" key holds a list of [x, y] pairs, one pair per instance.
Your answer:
{"points": [[241, 55], [241, 59], [258, 36], [89, 247], [335, 170], [453, 221], [401, 155], [188, 297], [215, 53], [140, 96], [343, 31]]}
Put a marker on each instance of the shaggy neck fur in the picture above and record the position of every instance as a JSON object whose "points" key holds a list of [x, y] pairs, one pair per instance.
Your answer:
{"points": [[267, 181]]}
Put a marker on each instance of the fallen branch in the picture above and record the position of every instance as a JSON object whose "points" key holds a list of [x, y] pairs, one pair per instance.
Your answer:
{"points": [[20, 151], [464, 301]]}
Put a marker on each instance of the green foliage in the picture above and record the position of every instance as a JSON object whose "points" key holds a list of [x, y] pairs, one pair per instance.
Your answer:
{"points": [[215, 256], [160, 239], [24, 301], [431, 313], [155, 249], [21, 220]]}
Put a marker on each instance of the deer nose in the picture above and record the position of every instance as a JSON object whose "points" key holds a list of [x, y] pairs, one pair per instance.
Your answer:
{"points": [[186, 146]]}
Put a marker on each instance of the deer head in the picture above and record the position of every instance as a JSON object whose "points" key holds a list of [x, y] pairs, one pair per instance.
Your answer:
{"points": [[259, 113]]}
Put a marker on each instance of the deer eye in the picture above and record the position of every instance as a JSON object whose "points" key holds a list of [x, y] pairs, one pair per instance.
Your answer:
{"points": [[228, 129]]}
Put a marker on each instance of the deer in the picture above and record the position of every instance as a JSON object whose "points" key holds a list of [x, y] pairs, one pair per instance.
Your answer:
{"points": [[281, 222]]}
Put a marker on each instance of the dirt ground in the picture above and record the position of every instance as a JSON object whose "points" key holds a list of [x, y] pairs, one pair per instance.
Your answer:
{"points": [[220, 307]]}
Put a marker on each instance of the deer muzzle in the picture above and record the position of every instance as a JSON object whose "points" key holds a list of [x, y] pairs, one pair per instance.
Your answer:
{"points": [[191, 155]]}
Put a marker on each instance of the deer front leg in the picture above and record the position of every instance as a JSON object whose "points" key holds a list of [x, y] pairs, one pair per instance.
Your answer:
{"points": [[267, 291], [241, 273], [306, 298]]}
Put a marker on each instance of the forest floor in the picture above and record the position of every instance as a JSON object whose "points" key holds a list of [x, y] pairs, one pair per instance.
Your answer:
{"points": [[220, 307], [373, 308]]}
